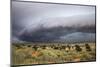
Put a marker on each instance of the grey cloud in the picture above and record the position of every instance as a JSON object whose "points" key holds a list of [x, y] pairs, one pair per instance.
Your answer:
{"points": [[79, 36], [43, 22], [54, 34]]}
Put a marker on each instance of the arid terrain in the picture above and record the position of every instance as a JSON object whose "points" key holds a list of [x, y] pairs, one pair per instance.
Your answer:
{"points": [[46, 53]]}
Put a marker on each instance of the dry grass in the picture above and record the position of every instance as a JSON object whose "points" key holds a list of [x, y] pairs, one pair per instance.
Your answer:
{"points": [[44, 53]]}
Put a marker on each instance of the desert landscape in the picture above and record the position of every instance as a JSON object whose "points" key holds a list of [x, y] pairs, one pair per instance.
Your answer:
{"points": [[49, 33], [45, 53]]}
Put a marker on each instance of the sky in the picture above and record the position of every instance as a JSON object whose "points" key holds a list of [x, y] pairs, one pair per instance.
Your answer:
{"points": [[52, 22]]}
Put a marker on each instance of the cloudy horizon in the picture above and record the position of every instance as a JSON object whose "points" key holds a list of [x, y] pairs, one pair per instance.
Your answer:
{"points": [[52, 22]]}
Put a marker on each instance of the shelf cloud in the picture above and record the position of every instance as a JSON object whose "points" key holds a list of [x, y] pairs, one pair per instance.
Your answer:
{"points": [[52, 22]]}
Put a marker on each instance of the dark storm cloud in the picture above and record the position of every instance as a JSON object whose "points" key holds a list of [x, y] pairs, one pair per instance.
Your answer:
{"points": [[60, 33], [52, 22]]}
